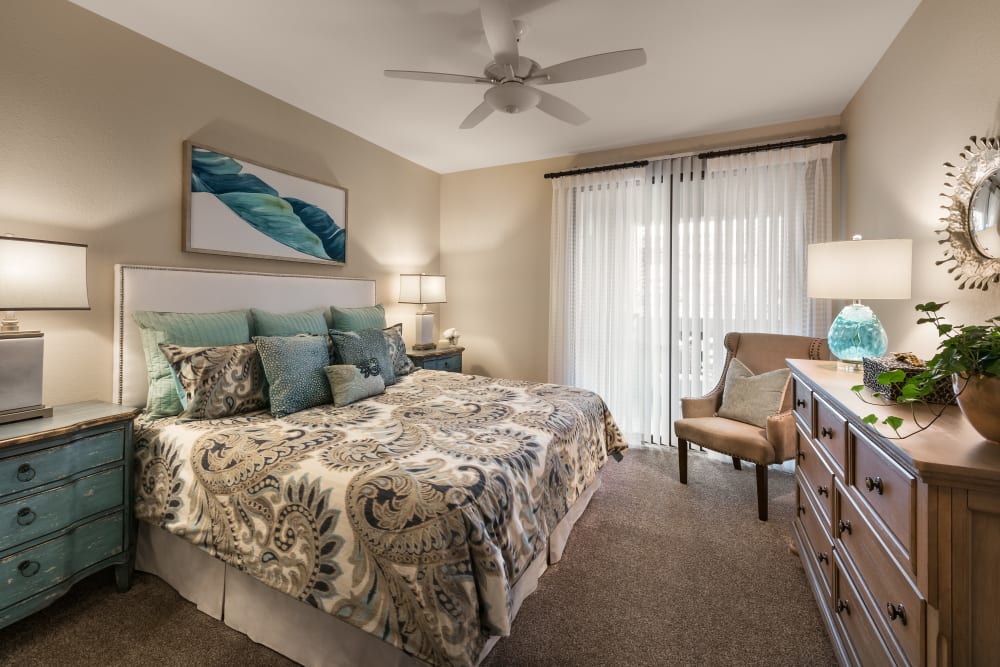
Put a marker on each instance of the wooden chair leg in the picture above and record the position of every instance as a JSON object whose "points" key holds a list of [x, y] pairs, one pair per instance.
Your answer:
{"points": [[761, 470], [736, 464], [682, 459]]}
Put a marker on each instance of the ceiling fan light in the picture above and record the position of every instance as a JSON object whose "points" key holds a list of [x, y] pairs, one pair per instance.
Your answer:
{"points": [[512, 97]]}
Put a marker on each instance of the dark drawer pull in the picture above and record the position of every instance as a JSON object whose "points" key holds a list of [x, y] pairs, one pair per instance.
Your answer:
{"points": [[25, 516], [874, 484], [896, 611], [842, 605], [845, 526], [822, 558], [802, 509], [800, 402], [29, 568], [826, 432], [823, 491], [800, 454], [25, 473]]}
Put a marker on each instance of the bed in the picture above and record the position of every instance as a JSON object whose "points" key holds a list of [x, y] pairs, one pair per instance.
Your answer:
{"points": [[406, 528]]}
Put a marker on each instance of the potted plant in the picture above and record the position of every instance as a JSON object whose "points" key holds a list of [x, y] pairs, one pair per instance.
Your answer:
{"points": [[968, 356]]}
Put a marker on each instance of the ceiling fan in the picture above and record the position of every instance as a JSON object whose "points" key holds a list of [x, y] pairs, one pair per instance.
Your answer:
{"points": [[512, 77]]}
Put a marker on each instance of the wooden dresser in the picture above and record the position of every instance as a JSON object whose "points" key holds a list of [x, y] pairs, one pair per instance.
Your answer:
{"points": [[900, 539]]}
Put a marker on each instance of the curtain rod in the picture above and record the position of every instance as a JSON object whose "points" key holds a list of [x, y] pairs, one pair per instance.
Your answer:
{"points": [[592, 170], [770, 147]]}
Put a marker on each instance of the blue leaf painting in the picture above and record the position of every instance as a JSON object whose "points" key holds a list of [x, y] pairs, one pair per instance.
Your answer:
{"points": [[290, 221]]}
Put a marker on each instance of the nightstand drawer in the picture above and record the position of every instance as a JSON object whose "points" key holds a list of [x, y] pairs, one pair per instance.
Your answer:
{"points": [[802, 403], [831, 432], [20, 473], [34, 570], [33, 516], [818, 475], [889, 490], [451, 363]]}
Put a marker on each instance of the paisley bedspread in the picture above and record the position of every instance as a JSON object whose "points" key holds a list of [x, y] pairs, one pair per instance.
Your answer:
{"points": [[409, 515]]}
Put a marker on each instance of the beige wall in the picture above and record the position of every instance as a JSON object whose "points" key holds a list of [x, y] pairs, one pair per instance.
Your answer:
{"points": [[93, 117], [495, 247], [935, 86]]}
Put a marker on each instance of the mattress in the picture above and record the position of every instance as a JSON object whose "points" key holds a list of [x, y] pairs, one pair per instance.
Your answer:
{"points": [[410, 515]]}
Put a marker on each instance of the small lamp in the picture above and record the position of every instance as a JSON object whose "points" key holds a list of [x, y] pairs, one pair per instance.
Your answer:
{"points": [[423, 289], [858, 270], [34, 275]]}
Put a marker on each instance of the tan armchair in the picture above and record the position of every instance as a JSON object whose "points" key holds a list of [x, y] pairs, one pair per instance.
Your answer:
{"points": [[761, 446]]}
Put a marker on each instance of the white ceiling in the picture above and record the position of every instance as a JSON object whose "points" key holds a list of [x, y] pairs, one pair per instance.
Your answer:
{"points": [[714, 65]]}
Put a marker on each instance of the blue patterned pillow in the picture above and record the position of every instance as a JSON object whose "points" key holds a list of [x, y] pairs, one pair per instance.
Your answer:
{"points": [[401, 364], [294, 369], [358, 347]]}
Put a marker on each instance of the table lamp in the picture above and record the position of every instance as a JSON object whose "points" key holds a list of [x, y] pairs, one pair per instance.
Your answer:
{"points": [[423, 289], [34, 275], [856, 270]]}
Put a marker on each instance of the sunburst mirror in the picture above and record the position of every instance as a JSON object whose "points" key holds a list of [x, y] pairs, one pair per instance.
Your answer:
{"points": [[972, 225]]}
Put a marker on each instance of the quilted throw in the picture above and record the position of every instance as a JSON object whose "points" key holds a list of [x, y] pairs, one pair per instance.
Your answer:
{"points": [[410, 514]]}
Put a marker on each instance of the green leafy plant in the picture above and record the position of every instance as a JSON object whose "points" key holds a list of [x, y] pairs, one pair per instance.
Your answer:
{"points": [[964, 351]]}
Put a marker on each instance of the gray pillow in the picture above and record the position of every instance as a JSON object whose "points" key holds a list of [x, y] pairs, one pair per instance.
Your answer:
{"points": [[358, 347], [294, 369], [401, 364], [351, 383], [752, 398]]}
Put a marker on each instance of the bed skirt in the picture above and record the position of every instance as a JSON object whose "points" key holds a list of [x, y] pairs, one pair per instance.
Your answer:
{"points": [[295, 629]]}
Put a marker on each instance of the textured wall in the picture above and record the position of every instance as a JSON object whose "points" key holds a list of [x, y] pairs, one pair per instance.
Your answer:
{"points": [[93, 117]]}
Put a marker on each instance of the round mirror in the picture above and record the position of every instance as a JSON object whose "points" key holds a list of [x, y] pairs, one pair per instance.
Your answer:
{"points": [[984, 216]]}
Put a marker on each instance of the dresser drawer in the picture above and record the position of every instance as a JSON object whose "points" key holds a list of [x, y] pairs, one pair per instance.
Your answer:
{"points": [[451, 363], [802, 403], [857, 627], [26, 471], [32, 516], [817, 532], [818, 475], [889, 491], [32, 571], [895, 598], [831, 432]]}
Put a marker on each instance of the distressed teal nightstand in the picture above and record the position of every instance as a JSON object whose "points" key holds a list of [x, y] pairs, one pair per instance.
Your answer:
{"points": [[65, 503], [438, 359]]}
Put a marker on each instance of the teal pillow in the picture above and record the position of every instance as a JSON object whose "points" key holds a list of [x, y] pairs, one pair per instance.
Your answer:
{"points": [[351, 383], [189, 330], [359, 347], [356, 319], [289, 324], [294, 369]]}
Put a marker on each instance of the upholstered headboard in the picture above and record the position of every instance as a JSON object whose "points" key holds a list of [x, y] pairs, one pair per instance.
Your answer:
{"points": [[162, 288]]}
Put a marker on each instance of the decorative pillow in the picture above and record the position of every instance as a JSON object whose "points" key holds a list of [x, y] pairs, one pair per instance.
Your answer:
{"points": [[351, 383], [186, 329], [218, 381], [752, 398], [357, 347], [356, 319], [401, 364], [266, 323], [294, 369]]}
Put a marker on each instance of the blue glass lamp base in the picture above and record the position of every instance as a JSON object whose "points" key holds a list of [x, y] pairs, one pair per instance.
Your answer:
{"points": [[857, 333]]}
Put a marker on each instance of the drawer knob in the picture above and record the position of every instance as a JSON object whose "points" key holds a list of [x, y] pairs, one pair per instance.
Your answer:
{"points": [[25, 516], [822, 557], [29, 568], [845, 526], [800, 402], [874, 484], [842, 605], [826, 432], [823, 491], [802, 509], [25, 473], [896, 611], [800, 454]]}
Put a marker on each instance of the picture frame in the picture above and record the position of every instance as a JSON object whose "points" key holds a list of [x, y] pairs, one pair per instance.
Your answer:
{"points": [[237, 206]]}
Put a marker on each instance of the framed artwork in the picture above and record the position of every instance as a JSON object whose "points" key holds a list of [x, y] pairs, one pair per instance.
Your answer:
{"points": [[233, 206]]}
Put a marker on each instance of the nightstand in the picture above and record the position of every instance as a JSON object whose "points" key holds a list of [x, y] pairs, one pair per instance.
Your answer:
{"points": [[65, 503], [438, 359]]}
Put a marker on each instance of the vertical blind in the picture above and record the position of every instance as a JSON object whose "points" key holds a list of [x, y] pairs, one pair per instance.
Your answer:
{"points": [[652, 266]]}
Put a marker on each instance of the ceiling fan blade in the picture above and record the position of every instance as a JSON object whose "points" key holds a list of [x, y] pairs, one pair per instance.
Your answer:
{"points": [[561, 109], [434, 76], [477, 116], [498, 24], [591, 66]]}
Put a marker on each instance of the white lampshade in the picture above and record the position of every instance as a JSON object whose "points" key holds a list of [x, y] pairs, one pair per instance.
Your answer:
{"points": [[860, 269], [421, 288], [42, 275]]}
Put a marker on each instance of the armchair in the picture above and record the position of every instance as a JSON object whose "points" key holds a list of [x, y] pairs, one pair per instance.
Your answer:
{"points": [[775, 442]]}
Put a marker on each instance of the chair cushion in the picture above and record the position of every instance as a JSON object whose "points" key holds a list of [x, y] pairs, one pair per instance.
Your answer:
{"points": [[743, 441], [752, 398]]}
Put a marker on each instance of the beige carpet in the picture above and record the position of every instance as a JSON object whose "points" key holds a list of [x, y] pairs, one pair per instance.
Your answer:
{"points": [[655, 573]]}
